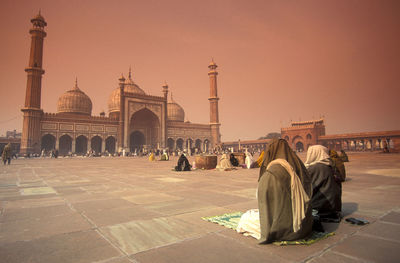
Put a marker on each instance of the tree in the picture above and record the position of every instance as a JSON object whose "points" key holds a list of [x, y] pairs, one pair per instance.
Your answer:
{"points": [[271, 135]]}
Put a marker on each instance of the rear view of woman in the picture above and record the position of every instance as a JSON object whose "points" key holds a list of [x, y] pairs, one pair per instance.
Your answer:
{"points": [[327, 190], [284, 192]]}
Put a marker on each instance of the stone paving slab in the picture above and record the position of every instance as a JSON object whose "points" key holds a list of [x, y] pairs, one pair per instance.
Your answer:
{"points": [[370, 249], [77, 247], [209, 248]]}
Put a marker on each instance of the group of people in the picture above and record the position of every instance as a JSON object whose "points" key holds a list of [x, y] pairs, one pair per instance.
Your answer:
{"points": [[289, 190]]}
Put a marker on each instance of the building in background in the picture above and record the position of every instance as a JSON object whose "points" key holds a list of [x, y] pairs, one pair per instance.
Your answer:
{"points": [[136, 120]]}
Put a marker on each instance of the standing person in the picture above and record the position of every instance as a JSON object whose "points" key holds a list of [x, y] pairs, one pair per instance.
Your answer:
{"points": [[327, 190], [284, 192], [6, 155]]}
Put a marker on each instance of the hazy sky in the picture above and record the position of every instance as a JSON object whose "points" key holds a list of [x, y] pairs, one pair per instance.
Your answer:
{"points": [[278, 60]]}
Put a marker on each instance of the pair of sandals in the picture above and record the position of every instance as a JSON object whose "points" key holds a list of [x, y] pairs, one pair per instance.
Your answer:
{"points": [[356, 221]]}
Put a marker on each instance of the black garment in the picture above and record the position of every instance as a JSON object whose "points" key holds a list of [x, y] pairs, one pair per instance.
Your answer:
{"points": [[233, 160], [343, 156], [183, 164], [327, 192]]}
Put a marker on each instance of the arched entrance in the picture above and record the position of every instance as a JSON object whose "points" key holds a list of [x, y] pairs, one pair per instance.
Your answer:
{"points": [[65, 144], [170, 143], [198, 145], [299, 147], [95, 143], [179, 144], [81, 145], [206, 145], [110, 144], [48, 142], [144, 129], [137, 140]]}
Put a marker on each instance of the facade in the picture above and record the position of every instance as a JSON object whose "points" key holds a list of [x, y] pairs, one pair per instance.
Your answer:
{"points": [[136, 120], [301, 135]]}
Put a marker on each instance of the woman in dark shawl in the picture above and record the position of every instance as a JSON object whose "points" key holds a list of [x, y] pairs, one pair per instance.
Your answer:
{"points": [[233, 160], [338, 166], [327, 191], [284, 192], [183, 164]]}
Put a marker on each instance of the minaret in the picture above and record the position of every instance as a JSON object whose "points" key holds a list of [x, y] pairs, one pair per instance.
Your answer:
{"points": [[121, 136], [30, 141], [214, 120]]}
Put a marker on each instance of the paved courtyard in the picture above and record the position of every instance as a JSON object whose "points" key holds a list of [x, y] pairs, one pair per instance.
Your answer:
{"points": [[120, 210]]}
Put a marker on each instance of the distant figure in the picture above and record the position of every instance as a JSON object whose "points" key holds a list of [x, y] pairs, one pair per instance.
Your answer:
{"points": [[327, 190], [164, 156], [152, 157], [338, 166], [233, 160], [248, 160], [259, 161], [343, 156], [183, 164], [225, 163], [6, 155], [284, 192]]}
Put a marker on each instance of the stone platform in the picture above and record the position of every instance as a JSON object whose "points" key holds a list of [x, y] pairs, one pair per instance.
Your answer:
{"points": [[119, 210]]}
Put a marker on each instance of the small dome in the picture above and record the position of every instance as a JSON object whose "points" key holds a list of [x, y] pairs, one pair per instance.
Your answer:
{"points": [[174, 111], [74, 101]]}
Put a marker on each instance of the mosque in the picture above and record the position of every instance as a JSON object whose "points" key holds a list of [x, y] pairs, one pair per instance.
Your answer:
{"points": [[136, 120]]}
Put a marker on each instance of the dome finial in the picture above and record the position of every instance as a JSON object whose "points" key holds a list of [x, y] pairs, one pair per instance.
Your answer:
{"points": [[130, 73], [76, 84]]}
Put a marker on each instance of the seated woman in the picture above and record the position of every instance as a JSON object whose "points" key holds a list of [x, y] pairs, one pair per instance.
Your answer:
{"points": [[225, 163], [233, 160], [327, 191], [258, 162], [183, 164], [164, 156], [338, 166], [152, 157], [248, 160], [284, 190]]}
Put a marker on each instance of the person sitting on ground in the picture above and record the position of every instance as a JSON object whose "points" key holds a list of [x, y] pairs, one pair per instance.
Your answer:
{"points": [[343, 156], [233, 160], [248, 160], [224, 163], [152, 157], [258, 162], [284, 191], [6, 154], [183, 164], [164, 156], [327, 191], [338, 166]]}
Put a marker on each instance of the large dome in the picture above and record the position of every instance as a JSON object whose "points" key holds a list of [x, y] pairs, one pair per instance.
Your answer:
{"points": [[174, 111], [74, 101], [129, 86]]}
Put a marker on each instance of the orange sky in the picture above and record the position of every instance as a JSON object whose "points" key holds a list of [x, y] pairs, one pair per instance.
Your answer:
{"points": [[278, 60]]}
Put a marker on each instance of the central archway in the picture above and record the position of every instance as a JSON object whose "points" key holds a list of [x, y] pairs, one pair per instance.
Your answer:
{"points": [[137, 141], [144, 130], [299, 147]]}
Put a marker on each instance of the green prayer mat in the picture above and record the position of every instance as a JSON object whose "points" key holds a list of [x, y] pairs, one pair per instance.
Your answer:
{"points": [[231, 221]]}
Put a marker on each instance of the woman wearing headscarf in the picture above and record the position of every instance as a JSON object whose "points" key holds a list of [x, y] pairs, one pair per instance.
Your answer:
{"points": [[338, 166], [225, 163], [284, 192], [233, 160], [183, 164], [327, 191], [248, 159]]}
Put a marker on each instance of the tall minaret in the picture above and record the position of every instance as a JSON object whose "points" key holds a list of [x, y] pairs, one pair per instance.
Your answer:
{"points": [[30, 142], [214, 120]]}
